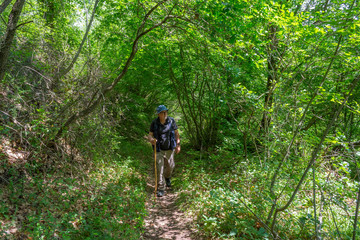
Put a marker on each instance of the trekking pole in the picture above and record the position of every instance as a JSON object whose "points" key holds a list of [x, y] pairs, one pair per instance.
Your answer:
{"points": [[155, 171]]}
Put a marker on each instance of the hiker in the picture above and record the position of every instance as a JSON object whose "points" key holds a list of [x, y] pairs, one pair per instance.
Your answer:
{"points": [[165, 136]]}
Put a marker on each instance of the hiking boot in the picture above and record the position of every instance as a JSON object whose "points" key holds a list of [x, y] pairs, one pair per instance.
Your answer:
{"points": [[160, 193], [168, 182]]}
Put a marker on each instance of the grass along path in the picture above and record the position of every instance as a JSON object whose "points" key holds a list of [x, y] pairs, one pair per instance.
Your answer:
{"points": [[109, 196]]}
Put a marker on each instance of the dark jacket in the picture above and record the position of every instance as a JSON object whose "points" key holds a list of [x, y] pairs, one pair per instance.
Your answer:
{"points": [[164, 134]]}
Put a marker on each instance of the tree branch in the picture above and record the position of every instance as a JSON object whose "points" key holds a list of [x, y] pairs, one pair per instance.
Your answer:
{"points": [[316, 151], [22, 24], [104, 91], [67, 70], [303, 118], [4, 5], [6, 42]]}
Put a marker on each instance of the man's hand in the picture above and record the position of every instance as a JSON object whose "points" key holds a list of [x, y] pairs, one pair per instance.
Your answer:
{"points": [[177, 137], [151, 138], [178, 148]]}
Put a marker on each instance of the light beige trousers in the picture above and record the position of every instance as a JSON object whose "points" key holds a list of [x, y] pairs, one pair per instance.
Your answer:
{"points": [[165, 166]]}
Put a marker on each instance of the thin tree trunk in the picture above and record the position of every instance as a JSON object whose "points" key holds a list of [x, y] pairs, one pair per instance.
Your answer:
{"points": [[4, 5], [191, 105], [314, 203], [356, 215], [334, 220], [322, 202], [310, 123], [326, 5], [179, 94], [67, 70], [300, 125], [315, 152], [358, 177], [8, 38], [271, 79]]}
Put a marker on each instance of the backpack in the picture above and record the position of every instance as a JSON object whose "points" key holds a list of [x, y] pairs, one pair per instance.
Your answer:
{"points": [[172, 134]]}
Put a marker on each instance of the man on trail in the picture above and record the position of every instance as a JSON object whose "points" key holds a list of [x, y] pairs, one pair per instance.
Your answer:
{"points": [[165, 136]]}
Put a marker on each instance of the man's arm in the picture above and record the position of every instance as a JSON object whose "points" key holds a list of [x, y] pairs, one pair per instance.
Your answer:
{"points": [[177, 137], [151, 138]]}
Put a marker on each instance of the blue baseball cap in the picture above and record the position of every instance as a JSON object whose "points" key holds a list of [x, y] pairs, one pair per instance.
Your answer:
{"points": [[161, 108]]}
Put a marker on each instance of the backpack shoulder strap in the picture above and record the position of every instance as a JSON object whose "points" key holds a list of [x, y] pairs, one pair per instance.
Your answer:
{"points": [[172, 123]]}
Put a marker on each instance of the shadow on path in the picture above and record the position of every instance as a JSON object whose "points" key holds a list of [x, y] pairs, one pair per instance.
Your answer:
{"points": [[165, 220]]}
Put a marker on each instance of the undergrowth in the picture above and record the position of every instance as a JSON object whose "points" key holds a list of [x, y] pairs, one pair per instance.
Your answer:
{"points": [[229, 198], [75, 198]]}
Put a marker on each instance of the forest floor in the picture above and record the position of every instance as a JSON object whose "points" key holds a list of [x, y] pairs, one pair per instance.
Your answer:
{"points": [[165, 220]]}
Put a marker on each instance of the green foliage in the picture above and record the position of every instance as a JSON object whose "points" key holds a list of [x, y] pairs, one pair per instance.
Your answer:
{"points": [[254, 85], [226, 194], [106, 201]]}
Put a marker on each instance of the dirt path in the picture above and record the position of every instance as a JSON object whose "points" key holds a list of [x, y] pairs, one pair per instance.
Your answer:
{"points": [[165, 220]]}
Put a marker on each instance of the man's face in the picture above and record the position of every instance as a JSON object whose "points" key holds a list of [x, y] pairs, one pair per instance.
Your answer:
{"points": [[163, 115]]}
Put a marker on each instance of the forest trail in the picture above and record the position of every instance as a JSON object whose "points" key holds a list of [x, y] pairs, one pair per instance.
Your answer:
{"points": [[165, 221]]}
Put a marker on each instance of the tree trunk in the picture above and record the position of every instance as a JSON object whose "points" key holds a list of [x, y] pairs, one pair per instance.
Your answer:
{"points": [[301, 122], [4, 5], [9, 35], [356, 213], [271, 79], [65, 71], [315, 152], [181, 100]]}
